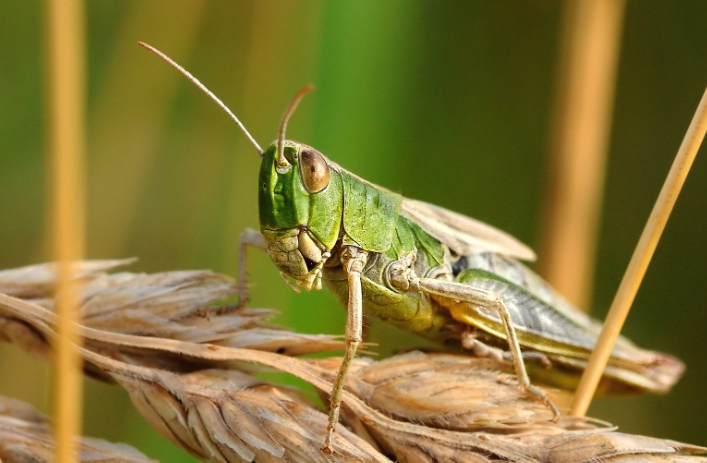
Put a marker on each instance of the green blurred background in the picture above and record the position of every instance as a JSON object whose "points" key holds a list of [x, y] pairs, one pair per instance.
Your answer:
{"points": [[449, 102]]}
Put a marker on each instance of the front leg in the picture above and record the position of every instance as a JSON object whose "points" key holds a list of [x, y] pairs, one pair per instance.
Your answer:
{"points": [[353, 260], [249, 237]]}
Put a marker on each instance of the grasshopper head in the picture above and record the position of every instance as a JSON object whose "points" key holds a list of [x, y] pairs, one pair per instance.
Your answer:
{"points": [[301, 197], [301, 207]]}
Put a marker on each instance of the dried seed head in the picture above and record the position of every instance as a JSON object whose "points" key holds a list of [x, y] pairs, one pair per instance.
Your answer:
{"points": [[412, 407], [228, 416], [25, 437]]}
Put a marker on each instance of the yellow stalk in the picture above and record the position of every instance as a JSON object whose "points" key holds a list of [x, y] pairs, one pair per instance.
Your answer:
{"points": [[583, 107], [640, 259], [66, 107]]}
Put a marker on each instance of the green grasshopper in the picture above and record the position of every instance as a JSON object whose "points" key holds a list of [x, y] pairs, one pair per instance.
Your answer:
{"points": [[430, 271]]}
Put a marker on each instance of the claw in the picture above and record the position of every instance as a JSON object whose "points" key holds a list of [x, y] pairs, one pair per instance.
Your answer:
{"points": [[328, 449], [540, 396]]}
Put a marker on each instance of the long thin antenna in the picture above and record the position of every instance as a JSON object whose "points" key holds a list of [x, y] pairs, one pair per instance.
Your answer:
{"points": [[281, 161], [203, 88]]}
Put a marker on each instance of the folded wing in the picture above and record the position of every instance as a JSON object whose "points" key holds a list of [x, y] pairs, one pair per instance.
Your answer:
{"points": [[462, 234]]}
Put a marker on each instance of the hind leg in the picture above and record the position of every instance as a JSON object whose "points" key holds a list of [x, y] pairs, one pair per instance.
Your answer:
{"points": [[451, 291]]}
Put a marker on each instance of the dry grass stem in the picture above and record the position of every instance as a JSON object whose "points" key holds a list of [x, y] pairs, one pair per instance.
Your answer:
{"points": [[199, 391], [66, 89], [581, 123], [25, 437], [641, 258]]}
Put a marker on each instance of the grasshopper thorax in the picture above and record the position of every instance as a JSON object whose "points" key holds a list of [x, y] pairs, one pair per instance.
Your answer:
{"points": [[301, 207]]}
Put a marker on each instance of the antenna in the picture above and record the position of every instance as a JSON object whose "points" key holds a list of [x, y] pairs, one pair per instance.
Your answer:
{"points": [[281, 162], [203, 88]]}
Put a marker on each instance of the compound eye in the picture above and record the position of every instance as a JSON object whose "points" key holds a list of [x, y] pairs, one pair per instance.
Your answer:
{"points": [[315, 171]]}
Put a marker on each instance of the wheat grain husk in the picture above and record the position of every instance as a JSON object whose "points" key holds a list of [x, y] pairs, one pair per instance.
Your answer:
{"points": [[189, 361]]}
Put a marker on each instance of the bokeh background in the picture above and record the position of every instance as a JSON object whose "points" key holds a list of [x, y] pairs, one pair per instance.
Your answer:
{"points": [[449, 102]]}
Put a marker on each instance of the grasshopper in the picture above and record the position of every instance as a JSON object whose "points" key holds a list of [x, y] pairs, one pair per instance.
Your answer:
{"points": [[430, 271]]}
